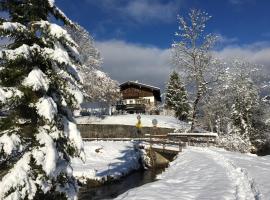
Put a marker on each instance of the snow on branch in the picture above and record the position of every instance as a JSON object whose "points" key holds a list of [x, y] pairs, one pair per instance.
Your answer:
{"points": [[51, 3], [7, 93], [46, 108], [54, 31], [13, 28], [19, 177], [37, 80], [47, 155], [24, 51], [71, 131], [60, 15], [10, 143]]}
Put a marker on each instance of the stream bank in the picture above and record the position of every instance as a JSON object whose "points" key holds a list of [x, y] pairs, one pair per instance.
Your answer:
{"points": [[151, 164]]}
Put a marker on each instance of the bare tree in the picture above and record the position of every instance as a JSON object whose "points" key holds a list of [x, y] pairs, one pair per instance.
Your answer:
{"points": [[98, 85], [192, 56]]}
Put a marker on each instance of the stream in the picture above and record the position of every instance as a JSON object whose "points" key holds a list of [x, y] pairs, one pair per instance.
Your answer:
{"points": [[114, 189]]}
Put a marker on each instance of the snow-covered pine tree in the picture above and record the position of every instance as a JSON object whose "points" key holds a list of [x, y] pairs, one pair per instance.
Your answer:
{"points": [[39, 85], [245, 102], [176, 97]]}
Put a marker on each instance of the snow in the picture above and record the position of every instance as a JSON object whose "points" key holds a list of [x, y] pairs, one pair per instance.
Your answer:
{"points": [[106, 159], [5, 93], [47, 155], [37, 80], [19, 178], [10, 143], [142, 84], [209, 173], [46, 108], [58, 54], [100, 74], [51, 3], [12, 26], [77, 94], [22, 51], [55, 31], [194, 134], [9, 92], [71, 131], [131, 119]]}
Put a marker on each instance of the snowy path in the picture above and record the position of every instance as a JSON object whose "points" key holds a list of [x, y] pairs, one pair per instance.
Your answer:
{"points": [[209, 173], [245, 187]]}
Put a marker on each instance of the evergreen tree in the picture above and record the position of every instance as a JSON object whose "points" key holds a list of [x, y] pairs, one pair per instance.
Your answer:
{"points": [[244, 109], [176, 97], [39, 85]]}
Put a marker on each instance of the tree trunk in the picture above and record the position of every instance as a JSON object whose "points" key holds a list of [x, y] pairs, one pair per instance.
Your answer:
{"points": [[195, 106], [194, 113]]}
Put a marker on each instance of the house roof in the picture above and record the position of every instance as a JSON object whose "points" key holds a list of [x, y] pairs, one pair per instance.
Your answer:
{"points": [[155, 90], [140, 85]]}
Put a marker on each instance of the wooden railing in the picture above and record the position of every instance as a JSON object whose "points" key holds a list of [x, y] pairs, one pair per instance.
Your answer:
{"points": [[166, 141]]}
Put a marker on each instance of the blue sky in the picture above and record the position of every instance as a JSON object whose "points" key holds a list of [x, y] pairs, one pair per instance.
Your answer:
{"points": [[134, 36]]}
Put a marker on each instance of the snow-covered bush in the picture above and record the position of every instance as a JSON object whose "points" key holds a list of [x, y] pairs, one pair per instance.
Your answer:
{"points": [[234, 108], [234, 142]]}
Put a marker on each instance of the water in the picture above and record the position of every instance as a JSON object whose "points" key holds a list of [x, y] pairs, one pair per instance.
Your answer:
{"points": [[112, 190]]}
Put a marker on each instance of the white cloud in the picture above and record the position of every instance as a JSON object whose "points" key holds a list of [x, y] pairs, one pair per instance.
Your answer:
{"points": [[141, 11], [224, 40], [125, 61], [257, 53]]}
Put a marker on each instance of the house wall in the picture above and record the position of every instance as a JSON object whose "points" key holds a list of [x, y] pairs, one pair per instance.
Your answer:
{"points": [[150, 99], [133, 93]]}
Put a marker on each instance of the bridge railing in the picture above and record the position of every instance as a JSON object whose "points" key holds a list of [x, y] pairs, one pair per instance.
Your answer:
{"points": [[164, 141], [191, 139]]}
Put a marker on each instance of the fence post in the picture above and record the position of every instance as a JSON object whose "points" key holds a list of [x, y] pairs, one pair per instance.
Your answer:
{"points": [[180, 146], [163, 145]]}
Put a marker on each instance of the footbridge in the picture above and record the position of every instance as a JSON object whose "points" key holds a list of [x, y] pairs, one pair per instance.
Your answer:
{"points": [[167, 143]]}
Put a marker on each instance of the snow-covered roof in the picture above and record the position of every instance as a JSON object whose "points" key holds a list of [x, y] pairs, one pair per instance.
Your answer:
{"points": [[139, 84]]}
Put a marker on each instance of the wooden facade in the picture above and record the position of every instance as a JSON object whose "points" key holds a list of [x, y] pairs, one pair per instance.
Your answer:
{"points": [[138, 97], [132, 93]]}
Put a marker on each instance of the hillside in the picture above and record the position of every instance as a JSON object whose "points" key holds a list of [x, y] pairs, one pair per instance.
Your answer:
{"points": [[131, 119]]}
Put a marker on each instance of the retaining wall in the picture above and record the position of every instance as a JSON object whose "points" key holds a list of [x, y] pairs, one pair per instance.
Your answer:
{"points": [[117, 131]]}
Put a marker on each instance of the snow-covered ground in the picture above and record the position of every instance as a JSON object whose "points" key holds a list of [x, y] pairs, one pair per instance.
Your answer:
{"points": [[131, 119], [209, 173], [106, 159]]}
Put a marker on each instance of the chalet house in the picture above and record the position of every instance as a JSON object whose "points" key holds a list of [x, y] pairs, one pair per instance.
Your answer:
{"points": [[138, 98]]}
